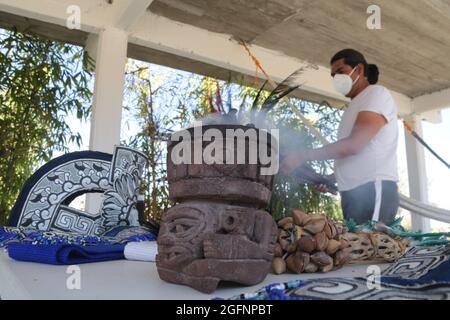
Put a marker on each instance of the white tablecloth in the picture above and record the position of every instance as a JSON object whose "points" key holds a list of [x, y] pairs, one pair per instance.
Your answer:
{"points": [[120, 280]]}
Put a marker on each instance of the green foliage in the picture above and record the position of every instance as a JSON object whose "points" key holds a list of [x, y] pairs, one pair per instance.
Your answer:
{"points": [[41, 81], [288, 194], [158, 101]]}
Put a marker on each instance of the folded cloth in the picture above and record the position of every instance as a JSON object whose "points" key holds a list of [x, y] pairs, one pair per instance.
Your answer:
{"points": [[141, 251], [65, 254]]}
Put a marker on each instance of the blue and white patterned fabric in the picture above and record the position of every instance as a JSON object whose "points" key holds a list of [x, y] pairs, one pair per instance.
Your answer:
{"points": [[421, 273], [44, 202], [118, 235]]}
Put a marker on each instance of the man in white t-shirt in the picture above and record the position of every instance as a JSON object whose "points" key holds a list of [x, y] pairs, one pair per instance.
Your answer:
{"points": [[366, 150]]}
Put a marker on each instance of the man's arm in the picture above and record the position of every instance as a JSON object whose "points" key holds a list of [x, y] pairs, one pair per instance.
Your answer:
{"points": [[367, 125]]}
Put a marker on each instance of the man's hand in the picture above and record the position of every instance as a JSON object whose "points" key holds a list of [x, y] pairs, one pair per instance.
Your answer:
{"points": [[323, 187]]}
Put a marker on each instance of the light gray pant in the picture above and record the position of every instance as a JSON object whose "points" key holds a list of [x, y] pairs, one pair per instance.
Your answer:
{"points": [[360, 204]]}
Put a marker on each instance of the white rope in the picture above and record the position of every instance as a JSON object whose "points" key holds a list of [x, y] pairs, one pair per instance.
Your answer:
{"points": [[424, 210]]}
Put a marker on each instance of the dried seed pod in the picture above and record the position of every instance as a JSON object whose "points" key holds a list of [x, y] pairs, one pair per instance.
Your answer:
{"points": [[321, 241], [278, 251], [342, 257], [306, 243], [315, 226], [386, 247], [321, 259], [300, 217], [284, 221], [333, 247], [361, 247], [278, 266], [311, 268], [297, 262]]}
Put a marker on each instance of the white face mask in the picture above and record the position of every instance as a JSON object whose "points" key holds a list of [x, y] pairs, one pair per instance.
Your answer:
{"points": [[343, 83]]}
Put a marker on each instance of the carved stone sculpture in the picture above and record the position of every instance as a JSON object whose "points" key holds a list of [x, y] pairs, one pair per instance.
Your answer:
{"points": [[219, 231]]}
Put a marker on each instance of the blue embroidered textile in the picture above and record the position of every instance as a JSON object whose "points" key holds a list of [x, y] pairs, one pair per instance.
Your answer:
{"points": [[65, 254], [421, 273], [117, 235]]}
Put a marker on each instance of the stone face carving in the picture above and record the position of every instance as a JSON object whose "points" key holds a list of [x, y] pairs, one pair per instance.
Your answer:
{"points": [[219, 231]]}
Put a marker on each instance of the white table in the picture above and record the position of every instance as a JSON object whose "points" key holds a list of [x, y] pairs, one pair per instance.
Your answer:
{"points": [[120, 280]]}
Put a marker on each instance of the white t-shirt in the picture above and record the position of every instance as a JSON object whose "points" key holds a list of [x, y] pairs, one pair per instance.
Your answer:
{"points": [[378, 160]]}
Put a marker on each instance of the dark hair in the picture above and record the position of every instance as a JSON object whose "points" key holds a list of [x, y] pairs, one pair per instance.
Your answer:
{"points": [[353, 58]]}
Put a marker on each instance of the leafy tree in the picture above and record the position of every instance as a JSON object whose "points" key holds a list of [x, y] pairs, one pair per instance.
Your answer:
{"points": [[41, 82]]}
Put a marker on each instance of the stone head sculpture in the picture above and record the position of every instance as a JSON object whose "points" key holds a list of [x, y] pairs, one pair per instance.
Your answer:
{"points": [[201, 244], [219, 231]]}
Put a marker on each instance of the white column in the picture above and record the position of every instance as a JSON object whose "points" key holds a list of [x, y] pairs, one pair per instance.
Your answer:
{"points": [[111, 57], [417, 175], [109, 49]]}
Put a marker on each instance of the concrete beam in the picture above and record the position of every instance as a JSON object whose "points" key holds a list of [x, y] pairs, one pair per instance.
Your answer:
{"points": [[129, 17], [186, 41], [165, 35], [430, 102]]}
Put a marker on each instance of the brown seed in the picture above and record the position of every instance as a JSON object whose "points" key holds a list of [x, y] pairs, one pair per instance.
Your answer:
{"points": [[298, 232], [315, 226], [278, 251], [344, 243], [284, 240], [333, 246], [321, 241], [341, 257], [288, 226], [283, 221], [321, 259], [300, 217], [327, 268], [318, 216], [306, 244], [292, 247], [278, 266], [328, 231], [297, 262], [311, 268], [341, 229], [334, 231]]}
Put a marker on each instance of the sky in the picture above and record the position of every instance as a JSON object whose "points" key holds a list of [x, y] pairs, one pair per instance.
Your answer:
{"points": [[436, 135]]}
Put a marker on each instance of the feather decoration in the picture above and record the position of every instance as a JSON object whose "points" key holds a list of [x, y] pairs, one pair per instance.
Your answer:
{"points": [[254, 108], [283, 89], [258, 95]]}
